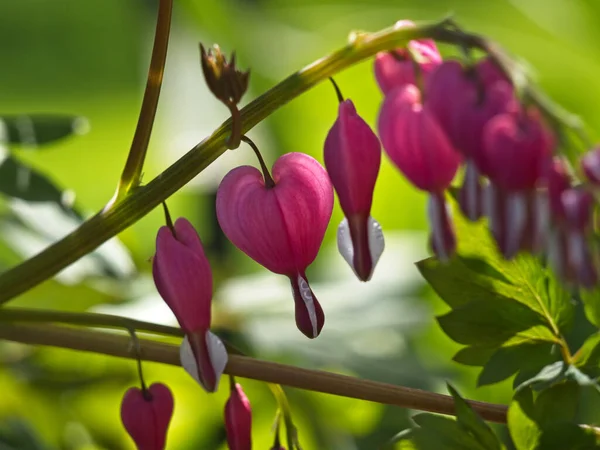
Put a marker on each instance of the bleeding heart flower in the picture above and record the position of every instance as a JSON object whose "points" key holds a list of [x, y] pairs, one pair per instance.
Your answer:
{"points": [[352, 157], [281, 227], [238, 419], [146, 415], [183, 278]]}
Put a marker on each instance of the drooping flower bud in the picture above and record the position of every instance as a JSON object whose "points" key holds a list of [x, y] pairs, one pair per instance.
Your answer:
{"points": [[352, 157], [415, 142], [281, 227], [183, 278], [517, 150], [146, 415], [590, 164], [238, 419], [397, 68], [418, 146]]}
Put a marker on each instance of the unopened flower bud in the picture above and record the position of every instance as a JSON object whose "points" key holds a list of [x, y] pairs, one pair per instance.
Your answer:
{"points": [[224, 80], [352, 158], [238, 419], [183, 278]]}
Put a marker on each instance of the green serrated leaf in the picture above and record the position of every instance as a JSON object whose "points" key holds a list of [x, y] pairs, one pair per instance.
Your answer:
{"points": [[474, 355], [442, 433], [549, 375], [458, 284], [508, 360], [472, 423], [530, 416], [493, 322], [38, 129], [591, 304], [587, 358], [524, 431]]}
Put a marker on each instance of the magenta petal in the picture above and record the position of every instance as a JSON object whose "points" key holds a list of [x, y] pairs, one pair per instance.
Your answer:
{"points": [[183, 277], [415, 142], [147, 419], [517, 150], [352, 157], [309, 314], [238, 420]]}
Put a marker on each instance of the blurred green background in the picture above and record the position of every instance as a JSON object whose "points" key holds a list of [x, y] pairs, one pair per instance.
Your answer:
{"points": [[90, 58]]}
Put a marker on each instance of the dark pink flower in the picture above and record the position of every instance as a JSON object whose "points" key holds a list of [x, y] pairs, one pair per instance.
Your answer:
{"points": [[352, 157], [183, 278], [281, 227], [397, 68], [238, 419], [146, 415], [415, 142], [517, 150]]}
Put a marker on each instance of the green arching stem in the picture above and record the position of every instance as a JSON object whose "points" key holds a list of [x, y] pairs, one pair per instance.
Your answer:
{"points": [[86, 319], [132, 172], [124, 212]]}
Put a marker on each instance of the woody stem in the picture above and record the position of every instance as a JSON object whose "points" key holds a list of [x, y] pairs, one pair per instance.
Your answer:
{"points": [[246, 367]]}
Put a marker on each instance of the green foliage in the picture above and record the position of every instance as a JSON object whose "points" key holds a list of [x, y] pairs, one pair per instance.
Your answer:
{"points": [[32, 130], [511, 315], [536, 420], [468, 431]]}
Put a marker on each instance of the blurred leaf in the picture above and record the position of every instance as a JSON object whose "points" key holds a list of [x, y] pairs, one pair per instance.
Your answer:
{"points": [[508, 360], [15, 434], [41, 224], [20, 181], [442, 433], [38, 129], [588, 356], [472, 423], [528, 418], [591, 304]]}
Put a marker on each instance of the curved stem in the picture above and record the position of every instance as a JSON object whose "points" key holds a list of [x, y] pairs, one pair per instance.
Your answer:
{"points": [[246, 367], [269, 182], [132, 172], [112, 220], [340, 97]]}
